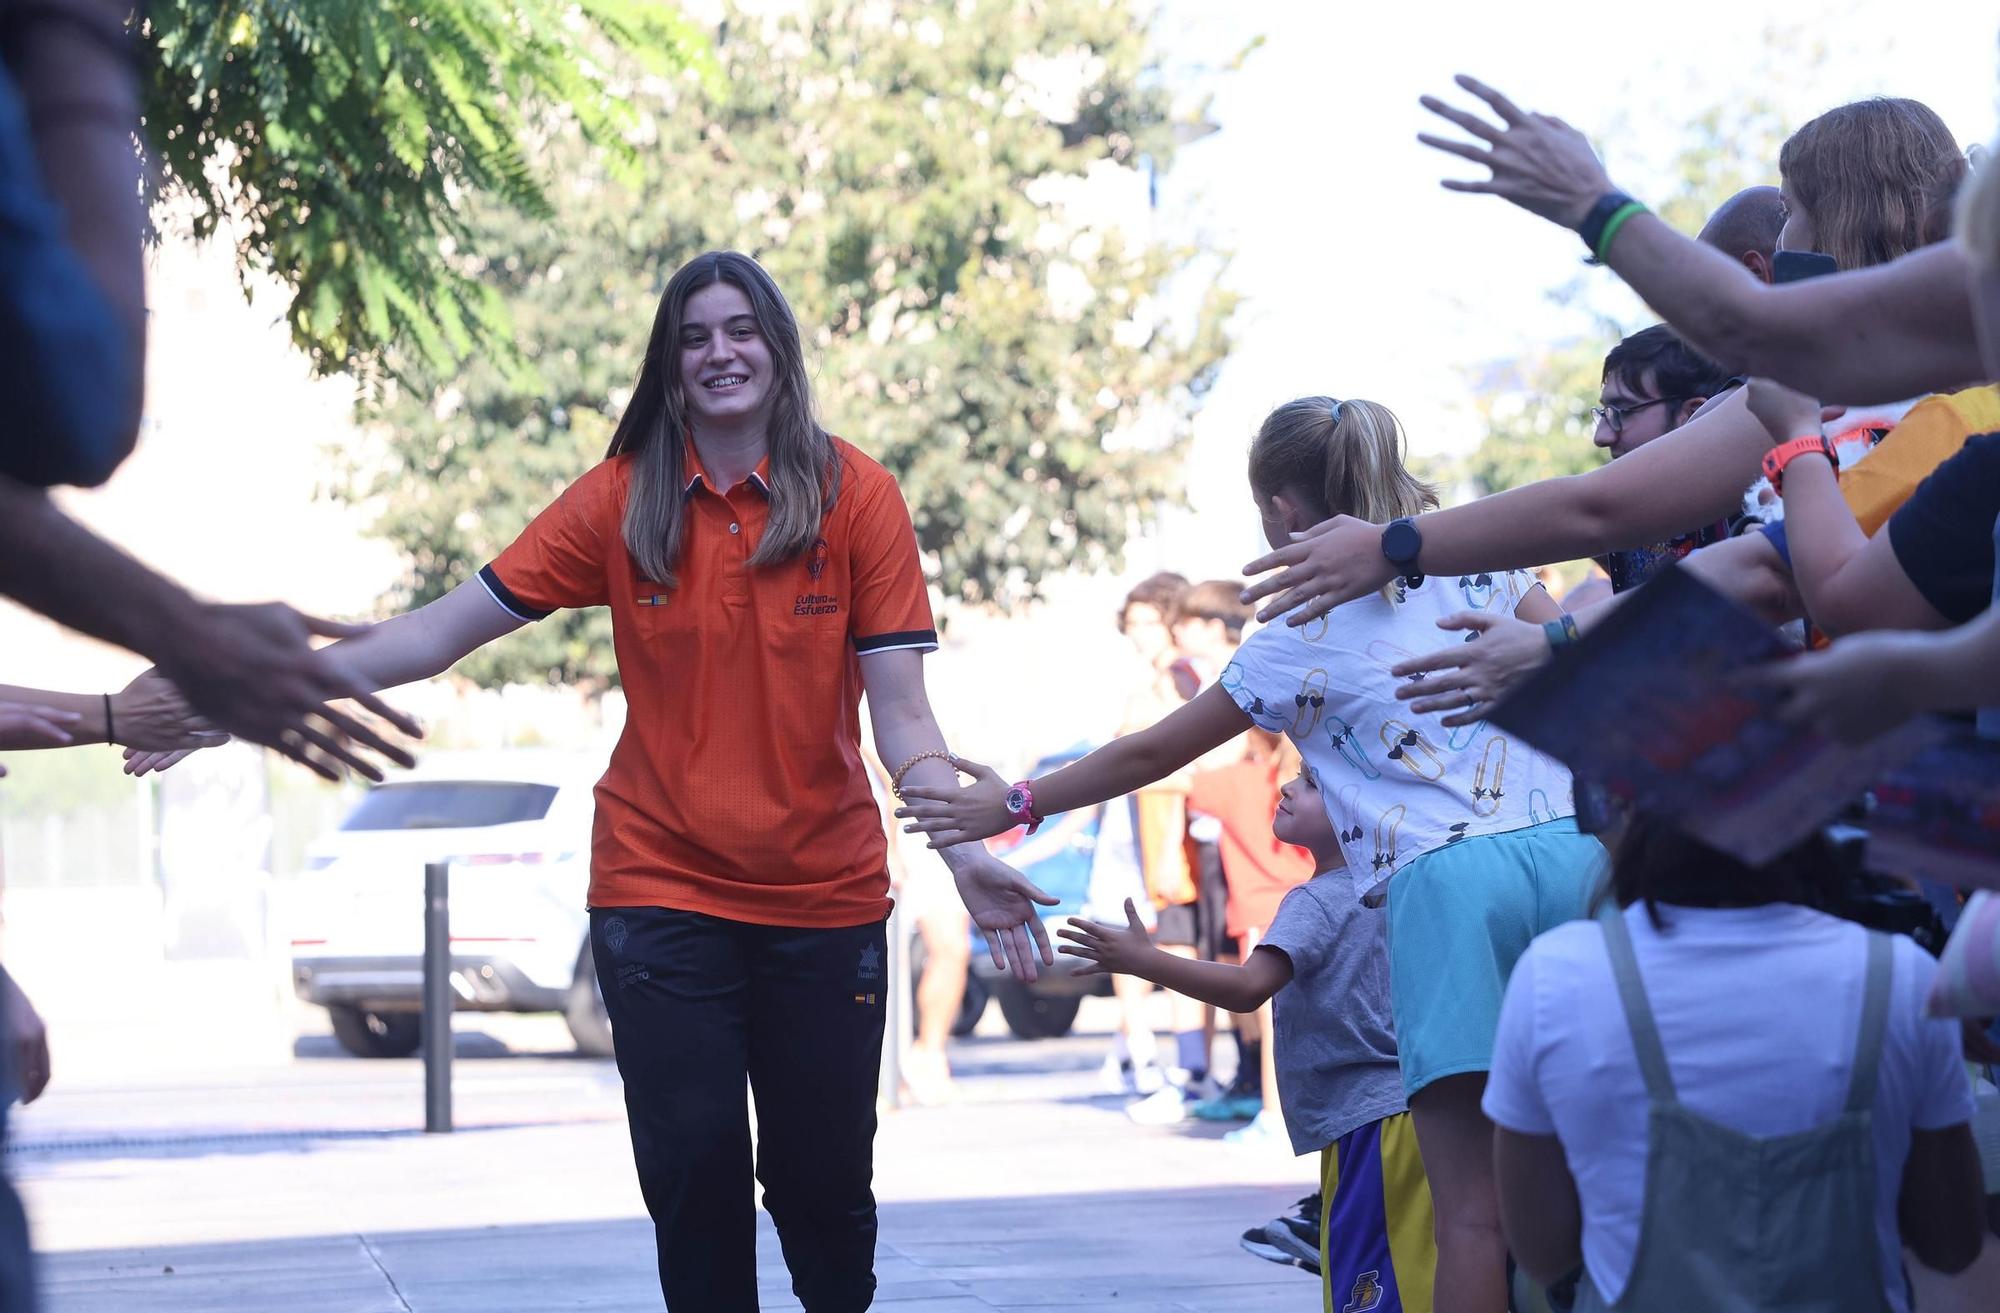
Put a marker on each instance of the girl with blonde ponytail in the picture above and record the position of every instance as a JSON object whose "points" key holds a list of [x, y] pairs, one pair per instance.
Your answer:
{"points": [[1468, 833]]}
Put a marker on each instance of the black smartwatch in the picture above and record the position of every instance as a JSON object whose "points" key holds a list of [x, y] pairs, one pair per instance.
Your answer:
{"points": [[1403, 543]]}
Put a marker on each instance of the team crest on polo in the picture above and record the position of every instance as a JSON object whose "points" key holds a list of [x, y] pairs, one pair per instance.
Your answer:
{"points": [[816, 559], [1367, 1293]]}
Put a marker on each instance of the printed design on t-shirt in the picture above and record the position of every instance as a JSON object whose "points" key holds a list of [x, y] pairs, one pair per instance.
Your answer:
{"points": [[1410, 747], [1488, 777], [1478, 590], [1389, 656], [1262, 715], [1310, 700], [1314, 630], [1462, 737], [1347, 803], [1385, 837], [1341, 735], [1539, 808]]}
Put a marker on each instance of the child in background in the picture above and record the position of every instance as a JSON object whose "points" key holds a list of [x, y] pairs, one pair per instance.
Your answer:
{"points": [[1324, 964]]}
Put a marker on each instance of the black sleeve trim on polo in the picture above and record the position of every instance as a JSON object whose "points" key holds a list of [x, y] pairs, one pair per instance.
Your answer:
{"points": [[924, 639], [504, 595]]}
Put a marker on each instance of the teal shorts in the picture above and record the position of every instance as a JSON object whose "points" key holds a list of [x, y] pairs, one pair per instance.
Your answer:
{"points": [[1459, 919]]}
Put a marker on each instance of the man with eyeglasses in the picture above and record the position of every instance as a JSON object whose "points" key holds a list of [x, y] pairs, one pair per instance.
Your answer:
{"points": [[1653, 384]]}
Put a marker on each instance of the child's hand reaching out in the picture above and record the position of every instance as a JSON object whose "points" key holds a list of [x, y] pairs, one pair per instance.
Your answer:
{"points": [[1108, 949]]}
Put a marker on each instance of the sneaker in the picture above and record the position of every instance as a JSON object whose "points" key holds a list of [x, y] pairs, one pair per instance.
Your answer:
{"points": [[1165, 1106], [1261, 1132], [1116, 1076], [1297, 1237], [1255, 1242], [1228, 1108]]}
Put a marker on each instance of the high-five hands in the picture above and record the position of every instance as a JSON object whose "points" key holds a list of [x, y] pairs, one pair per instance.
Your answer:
{"points": [[1107, 950], [963, 815], [1003, 905], [252, 671]]}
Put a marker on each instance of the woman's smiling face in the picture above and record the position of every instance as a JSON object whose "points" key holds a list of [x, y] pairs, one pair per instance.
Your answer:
{"points": [[725, 363]]}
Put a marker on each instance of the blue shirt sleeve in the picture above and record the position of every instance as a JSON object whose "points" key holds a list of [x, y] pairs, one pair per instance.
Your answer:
{"points": [[66, 366]]}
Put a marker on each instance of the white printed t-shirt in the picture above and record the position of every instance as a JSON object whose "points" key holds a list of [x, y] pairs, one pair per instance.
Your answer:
{"points": [[1758, 1009], [1397, 784]]}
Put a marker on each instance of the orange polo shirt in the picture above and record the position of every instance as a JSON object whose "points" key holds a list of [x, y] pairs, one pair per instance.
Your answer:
{"points": [[737, 788]]}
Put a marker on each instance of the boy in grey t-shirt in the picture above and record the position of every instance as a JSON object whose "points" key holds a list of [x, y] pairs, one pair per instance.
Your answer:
{"points": [[1325, 965]]}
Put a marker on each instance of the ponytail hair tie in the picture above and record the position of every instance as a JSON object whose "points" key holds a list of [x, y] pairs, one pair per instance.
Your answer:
{"points": [[1334, 412]]}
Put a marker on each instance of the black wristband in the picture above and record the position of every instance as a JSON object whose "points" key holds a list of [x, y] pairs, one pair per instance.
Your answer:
{"points": [[110, 733], [1592, 227]]}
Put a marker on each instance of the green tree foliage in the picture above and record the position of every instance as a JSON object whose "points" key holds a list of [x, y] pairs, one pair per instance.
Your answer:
{"points": [[333, 140], [912, 174]]}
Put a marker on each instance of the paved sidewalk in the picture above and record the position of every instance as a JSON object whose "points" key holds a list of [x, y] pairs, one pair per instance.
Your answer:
{"points": [[1035, 1193]]}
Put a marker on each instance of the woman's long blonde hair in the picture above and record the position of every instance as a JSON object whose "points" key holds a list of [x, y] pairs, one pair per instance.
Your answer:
{"points": [[805, 476]]}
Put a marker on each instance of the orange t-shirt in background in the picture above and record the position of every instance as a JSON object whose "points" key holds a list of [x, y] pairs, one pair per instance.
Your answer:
{"points": [[737, 787], [1260, 869]]}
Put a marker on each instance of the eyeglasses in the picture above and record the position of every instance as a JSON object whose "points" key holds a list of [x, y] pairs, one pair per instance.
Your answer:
{"points": [[1614, 417]]}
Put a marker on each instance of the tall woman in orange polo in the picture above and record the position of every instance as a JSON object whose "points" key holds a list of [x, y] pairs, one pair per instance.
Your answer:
{"points": [[762, 576]]}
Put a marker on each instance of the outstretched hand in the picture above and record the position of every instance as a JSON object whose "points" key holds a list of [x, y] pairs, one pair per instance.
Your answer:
{"points": [[1107, 950], [1848, 691], [1335, 561], [1468, 677], [1538, 161], [963, 815], [1003, 905], [151, 715], [253, 672]]}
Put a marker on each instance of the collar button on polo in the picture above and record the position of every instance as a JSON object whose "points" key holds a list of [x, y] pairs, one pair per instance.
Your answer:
{"points": [[735, 528]]}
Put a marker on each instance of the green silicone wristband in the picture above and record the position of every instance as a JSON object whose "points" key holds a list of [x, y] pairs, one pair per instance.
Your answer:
{"points": [[1613, 224], [1561, 631]]}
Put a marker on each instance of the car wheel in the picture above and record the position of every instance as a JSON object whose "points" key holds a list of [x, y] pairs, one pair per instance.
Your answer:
{"points": [[368, 1034], [1036, 1016], [589, 1024]]}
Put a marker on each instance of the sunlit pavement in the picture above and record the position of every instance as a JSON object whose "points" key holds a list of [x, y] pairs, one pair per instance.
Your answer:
{"points": [[309, 1186]]}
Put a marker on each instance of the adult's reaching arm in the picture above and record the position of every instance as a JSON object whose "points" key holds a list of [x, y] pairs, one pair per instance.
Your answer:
{"points": [[250, 670], [1861, 336], [1693, 475]]}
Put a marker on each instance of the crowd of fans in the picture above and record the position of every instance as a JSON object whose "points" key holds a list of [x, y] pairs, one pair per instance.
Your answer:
{"points": [[1636, 1071]]}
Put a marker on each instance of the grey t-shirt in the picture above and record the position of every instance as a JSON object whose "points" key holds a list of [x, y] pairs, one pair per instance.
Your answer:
{"points": [[1336, 1046]]}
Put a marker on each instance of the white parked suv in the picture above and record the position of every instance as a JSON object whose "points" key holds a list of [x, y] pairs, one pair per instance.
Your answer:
{"points": [[516, 825]]}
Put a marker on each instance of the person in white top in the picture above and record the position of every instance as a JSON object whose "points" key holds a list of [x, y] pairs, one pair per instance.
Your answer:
{"points": [[1469, 832], [1757, 1002]]}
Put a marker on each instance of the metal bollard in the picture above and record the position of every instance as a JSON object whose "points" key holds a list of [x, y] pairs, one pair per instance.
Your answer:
{"points": [[895, 1012], [437, 997]]}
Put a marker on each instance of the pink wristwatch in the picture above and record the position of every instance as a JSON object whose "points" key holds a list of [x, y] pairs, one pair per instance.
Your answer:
{"points": [[1021, 805]]}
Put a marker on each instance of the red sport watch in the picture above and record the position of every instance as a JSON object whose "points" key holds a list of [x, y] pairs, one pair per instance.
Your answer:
{"points": [[1021, 805], [1778, 457]]}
